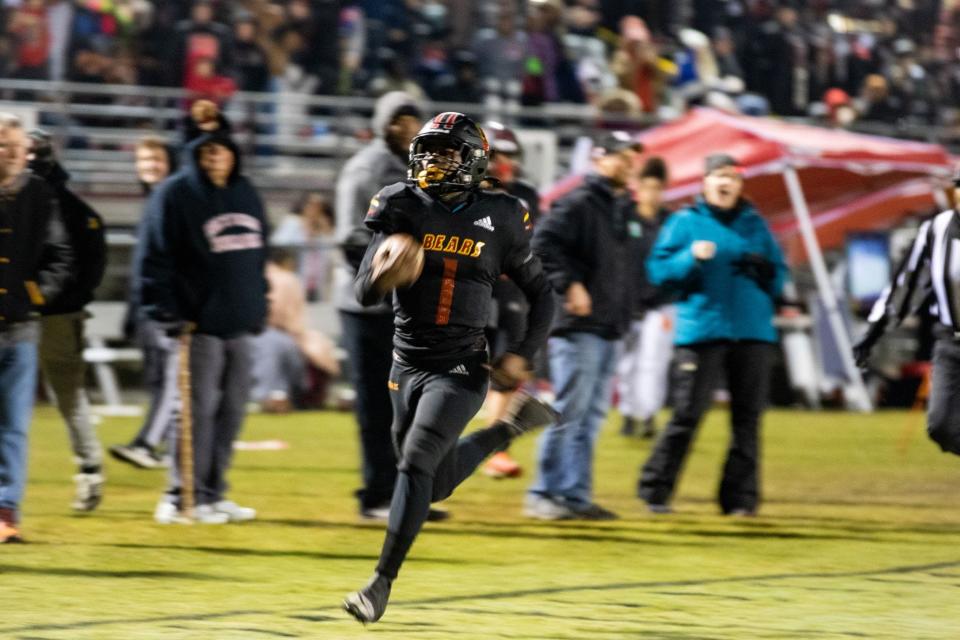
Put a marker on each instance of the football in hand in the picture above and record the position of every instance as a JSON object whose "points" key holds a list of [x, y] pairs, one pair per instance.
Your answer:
{"points": [[398, 262]]}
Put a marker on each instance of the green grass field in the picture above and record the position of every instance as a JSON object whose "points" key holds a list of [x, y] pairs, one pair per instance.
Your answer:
{"points": [[859, 537]]}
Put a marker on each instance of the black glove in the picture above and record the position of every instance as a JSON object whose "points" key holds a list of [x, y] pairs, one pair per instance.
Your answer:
{"points": [[757, 268], [861, 350]]}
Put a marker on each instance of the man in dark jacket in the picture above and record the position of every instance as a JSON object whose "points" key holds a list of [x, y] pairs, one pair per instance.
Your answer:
{"points": [[583, 246], [203, 270], [367, 331], [154, 162], [36, 265], [62, 335]]}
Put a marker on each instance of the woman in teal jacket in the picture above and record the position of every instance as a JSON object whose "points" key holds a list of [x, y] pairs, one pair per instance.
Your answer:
{"points": [[719, 258]]}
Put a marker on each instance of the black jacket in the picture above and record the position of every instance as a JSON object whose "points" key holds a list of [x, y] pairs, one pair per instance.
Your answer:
{"points": [[584, 239], [205, 251], [85, 232], [643, 234], [36, 261]]}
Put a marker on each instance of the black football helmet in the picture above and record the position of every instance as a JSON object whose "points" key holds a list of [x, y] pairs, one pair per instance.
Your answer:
{"points": [[449, 154]]}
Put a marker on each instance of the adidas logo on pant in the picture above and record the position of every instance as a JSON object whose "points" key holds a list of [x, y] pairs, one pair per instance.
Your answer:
{"points": [[459, 370], [485, 223]]}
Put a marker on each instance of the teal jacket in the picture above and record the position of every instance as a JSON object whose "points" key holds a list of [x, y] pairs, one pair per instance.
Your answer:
{"points": [[717, 300]]}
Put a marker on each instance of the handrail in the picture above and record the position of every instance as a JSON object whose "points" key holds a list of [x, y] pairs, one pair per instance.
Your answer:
{"points": [[546, 111]]}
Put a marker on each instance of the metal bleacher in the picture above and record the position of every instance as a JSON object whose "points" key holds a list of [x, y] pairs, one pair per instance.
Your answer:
{"points": [[290, 142]]}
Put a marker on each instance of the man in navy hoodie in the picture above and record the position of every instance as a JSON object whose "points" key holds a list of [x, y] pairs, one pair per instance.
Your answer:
{"points": [[203, 269]]}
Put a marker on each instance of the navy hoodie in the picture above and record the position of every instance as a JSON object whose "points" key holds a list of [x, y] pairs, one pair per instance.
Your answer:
{"points": [[205, 250]]}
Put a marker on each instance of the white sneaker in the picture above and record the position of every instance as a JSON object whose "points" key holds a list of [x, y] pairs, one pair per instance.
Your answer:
{"points": [[89, 491], [542, 508], [207, 514], [168, 513], [234, 512]]}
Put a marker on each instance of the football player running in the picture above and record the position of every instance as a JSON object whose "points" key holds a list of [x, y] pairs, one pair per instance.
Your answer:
{"points": [[469, 237]]}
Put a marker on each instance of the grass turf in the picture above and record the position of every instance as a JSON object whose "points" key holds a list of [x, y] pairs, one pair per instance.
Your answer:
{"points": [[859, 537]]}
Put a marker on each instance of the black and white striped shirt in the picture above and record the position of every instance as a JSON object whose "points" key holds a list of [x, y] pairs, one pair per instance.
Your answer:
{"points": [[930, 274]]}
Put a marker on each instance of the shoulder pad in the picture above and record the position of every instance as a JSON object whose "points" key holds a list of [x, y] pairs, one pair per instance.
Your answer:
{"points": [[388, 198], [511, 209]]}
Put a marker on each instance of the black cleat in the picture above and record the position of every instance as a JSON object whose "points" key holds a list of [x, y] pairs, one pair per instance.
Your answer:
{"points": [[525, 413], [139, 456], [382, 514], [368, 604], [659, 508]]}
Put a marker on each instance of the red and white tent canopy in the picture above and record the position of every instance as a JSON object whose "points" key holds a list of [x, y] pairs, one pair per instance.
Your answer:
{"points": [[850, 180]]}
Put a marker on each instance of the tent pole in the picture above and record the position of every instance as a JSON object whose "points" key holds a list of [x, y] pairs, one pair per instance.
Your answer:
{"points": [[802, 212]]}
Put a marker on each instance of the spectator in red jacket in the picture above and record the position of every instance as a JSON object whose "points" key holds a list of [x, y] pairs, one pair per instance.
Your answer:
{"points": [[28, 24], [203, 82]]}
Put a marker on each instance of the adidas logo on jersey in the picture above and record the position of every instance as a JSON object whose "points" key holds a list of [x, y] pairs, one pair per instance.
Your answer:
{"points": [[459, 370], [485, 223]]}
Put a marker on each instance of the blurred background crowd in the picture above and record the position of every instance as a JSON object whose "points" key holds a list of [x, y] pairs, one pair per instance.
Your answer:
{"points": [[880, 60]]}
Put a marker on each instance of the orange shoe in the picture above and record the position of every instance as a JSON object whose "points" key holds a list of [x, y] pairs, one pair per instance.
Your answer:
{"points": [[9, 533], [501, 465]]}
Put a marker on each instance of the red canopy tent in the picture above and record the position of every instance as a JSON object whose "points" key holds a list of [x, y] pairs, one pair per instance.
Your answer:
{"points": [[837, 169], [812, 184]]}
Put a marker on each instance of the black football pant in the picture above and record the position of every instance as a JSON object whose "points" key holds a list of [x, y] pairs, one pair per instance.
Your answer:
{"points": [[698, 371], [368, 338], [943, 413], [431, 409]]}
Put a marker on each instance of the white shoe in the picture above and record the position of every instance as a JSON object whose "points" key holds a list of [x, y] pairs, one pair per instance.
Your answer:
{"points": [[542, 508], [207, 514], [89, 491], [234, 512], [168, 513]]}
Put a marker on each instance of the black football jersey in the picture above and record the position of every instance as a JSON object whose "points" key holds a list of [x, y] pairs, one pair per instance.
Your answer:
{"points": [[441, 317]]}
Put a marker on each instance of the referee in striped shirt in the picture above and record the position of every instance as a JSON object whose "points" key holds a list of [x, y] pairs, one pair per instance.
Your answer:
{"points": [[932, 270]]}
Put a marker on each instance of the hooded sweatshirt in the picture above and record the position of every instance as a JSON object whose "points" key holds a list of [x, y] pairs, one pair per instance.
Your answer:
{"points": [[205, 250], [365, 173], [134, 313]]}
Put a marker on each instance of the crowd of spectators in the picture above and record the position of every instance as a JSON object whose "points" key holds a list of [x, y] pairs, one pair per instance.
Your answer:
{"points": [[881, 60]]}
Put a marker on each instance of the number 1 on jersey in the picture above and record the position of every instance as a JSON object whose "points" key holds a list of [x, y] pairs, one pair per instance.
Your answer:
{"points": [[447, 285]]}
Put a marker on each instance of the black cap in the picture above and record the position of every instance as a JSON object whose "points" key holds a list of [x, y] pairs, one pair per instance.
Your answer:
{"points": [[719, 161], [615, 142], [654, 168]]}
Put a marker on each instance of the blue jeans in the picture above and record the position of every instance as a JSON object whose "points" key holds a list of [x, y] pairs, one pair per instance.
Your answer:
{"points": [[581, 368], [18, 383]]}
